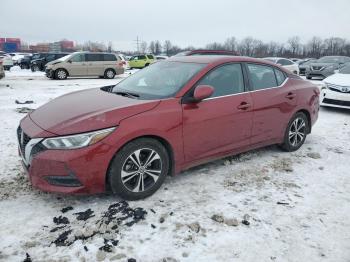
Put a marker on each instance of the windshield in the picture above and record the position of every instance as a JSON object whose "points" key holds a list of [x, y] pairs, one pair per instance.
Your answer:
{"points": [[160, 80], [345, 70], [330, 59], [273, 60], [63, 58], [36, 56]]}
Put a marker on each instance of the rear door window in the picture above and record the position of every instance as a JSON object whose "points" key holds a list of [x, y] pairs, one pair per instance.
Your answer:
{"points": [[94, 57], [261, 77], [150, 56], [142, 57]]}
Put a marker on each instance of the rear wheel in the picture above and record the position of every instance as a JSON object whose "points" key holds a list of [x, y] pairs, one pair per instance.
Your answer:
{"points": [[139, 169], [308, 77], [109, 74], [61, 74], [296, 132], [147, 64]]}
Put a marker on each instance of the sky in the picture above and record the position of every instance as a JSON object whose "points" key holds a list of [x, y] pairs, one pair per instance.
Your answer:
{"points": [[184, 23]]}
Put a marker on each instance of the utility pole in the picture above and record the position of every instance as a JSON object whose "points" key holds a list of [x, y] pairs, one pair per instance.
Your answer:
{"points": [[138, 44]]}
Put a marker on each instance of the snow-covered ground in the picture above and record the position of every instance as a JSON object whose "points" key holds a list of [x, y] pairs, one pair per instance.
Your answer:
{"points": [[264, 205]]}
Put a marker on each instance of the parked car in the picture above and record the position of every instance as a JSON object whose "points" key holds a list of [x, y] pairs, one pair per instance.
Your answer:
{"points": [[6, 59], [206, 52], [24, 62], [2, 71], [44, 58], [17, 56], [296, 60], [162, 57], [141, 61], [304, 66], [337, 89], [286, 63], [325, 66], [105, 65], [161, 120]]}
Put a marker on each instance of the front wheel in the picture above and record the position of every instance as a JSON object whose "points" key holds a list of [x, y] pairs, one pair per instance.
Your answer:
{"points": [[296, 132], [139, 169], [35, 68], [61, 74]]}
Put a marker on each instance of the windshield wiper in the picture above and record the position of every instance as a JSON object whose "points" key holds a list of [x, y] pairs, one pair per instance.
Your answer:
{"points": [[127, 94]]}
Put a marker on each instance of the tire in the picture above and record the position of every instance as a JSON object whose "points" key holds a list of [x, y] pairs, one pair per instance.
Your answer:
{"points": [[138, 184], [35, 68], [299, 126], [308, 77], [146, 64], [61, 74], [109, 74]]}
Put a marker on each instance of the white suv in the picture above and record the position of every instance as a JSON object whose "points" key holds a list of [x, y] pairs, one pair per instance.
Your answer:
{"points": [[6, 59]]}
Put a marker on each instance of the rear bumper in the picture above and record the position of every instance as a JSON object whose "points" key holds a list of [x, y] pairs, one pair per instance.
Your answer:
{"points": [[335, 99]]}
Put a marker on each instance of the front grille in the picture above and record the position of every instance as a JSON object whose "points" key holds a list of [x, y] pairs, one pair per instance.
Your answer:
{"points": [[338, 88], [23, 139], [336, 102]]}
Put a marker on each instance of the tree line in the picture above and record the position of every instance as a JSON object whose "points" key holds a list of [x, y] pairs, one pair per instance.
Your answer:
{"points": [[248, 46]]}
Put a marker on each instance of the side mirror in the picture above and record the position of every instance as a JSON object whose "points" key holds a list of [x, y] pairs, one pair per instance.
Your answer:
{"points": [[202, 92]]}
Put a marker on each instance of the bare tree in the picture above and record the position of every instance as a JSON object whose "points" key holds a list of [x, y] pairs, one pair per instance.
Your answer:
{"points": [[215, 46], [294, 43], [152, 47], [314, 47], [167, 47], [143, 47], [157, 48], [231, 44]]}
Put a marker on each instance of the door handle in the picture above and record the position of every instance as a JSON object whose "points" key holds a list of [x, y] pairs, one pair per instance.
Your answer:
{"points": [[291, 95], [243, 106]]}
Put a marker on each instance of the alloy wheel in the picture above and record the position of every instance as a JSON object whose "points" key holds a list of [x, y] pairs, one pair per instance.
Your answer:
{"points": [[141, 170], [297, 132], [61, 74], [110, 74]]}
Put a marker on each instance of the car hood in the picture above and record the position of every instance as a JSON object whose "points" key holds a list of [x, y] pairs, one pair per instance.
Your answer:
{"points": [[53, 62], [324, 64], [338, 79], [87, 110], [37, 60]]}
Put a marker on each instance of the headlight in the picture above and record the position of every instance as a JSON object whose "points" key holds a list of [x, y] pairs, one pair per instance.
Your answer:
{"points": [[324, 85], [77, 141], [329, 67]]}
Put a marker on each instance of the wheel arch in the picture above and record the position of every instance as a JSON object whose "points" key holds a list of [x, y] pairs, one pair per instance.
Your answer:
{"points": [[160, 139], [308, 116], [109, 68], [62, 69]]}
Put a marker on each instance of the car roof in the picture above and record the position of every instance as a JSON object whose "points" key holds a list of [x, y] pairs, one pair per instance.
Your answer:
{"points": [[211, 59]]}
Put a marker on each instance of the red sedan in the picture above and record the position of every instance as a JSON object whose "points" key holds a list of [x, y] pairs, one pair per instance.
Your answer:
{"points": [[161, 120]]}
